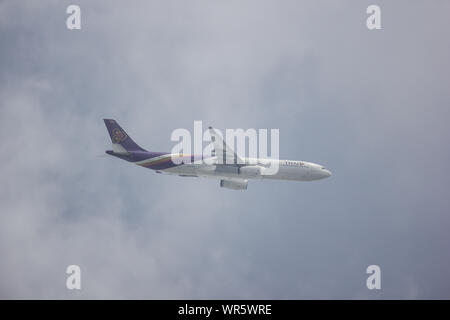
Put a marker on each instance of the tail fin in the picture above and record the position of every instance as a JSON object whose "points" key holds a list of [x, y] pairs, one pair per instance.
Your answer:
{"points": [[122, 143]]}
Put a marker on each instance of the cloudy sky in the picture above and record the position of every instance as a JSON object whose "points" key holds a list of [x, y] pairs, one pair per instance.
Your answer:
{"points": [[373, 106]]}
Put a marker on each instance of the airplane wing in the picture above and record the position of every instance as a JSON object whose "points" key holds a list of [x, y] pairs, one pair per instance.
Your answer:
{"points": [[224, 154]]}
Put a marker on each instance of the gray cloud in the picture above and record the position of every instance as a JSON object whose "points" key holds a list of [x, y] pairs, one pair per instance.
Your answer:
{"points": [[372, 106]]}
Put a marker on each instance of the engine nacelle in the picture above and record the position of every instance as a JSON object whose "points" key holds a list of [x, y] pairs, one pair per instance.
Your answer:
{"points": [[251, 171], [234, 184]]}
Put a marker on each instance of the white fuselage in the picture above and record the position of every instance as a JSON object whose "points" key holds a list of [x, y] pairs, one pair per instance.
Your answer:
{"points": [[253, 169]]}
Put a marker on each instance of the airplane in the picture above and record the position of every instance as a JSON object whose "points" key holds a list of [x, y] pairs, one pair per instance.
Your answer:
{"points": [[232, 176]]}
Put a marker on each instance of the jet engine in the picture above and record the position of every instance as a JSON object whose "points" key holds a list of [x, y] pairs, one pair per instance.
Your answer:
{"points": [[234, 184]]}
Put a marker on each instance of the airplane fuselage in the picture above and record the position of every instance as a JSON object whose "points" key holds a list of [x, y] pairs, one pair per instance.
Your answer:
{"points": [[253, 168]]}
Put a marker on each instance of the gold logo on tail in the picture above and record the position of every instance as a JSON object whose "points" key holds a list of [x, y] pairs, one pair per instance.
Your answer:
{"points": [[118, 135]]}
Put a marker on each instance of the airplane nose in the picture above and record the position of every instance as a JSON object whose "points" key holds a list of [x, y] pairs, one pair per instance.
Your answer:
{"points": [[326, 173]]}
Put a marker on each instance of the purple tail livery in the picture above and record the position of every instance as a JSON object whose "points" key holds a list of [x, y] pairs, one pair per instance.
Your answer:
{"points": [[120, 138]]}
